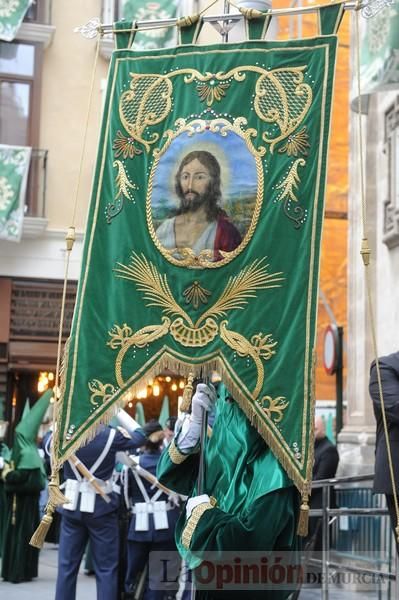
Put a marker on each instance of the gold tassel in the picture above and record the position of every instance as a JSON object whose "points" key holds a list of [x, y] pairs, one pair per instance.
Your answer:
{"points": [[187, 394], [56, 497], [303, 522], [37, 539]]}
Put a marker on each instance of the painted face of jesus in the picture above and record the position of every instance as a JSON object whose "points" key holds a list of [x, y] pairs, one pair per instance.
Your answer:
{"points": [[194, 181]]}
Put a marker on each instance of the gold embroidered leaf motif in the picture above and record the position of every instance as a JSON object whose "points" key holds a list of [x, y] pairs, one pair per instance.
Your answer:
{"points": [[243, 286], [125, 146], [291, 182], [122, 182], [274, 408], [155, 286], [102, 391], [212, 91], [196, 294], [146, 103], [297, 143]]}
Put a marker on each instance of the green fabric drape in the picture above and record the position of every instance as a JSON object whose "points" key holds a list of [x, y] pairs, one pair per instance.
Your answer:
{"points": [[239, 298], [12, 13], [14, 169]]}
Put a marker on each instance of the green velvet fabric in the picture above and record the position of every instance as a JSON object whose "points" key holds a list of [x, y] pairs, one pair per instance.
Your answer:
{"points": [[20, 560], [243, 303], [257, 504]]}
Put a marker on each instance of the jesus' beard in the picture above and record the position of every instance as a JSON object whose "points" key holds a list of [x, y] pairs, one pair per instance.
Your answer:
{"points": [[193, 201]]}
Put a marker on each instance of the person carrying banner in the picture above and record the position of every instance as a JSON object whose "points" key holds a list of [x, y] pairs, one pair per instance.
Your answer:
{"points": [[152, 527], [248, 504], [23, 484], [88, 517]]}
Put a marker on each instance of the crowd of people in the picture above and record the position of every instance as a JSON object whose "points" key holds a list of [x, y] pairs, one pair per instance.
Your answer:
{"points": [[150, 522]]}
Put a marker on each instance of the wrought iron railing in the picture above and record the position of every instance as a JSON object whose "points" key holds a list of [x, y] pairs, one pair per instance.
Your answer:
{"points": [[365, 545]]}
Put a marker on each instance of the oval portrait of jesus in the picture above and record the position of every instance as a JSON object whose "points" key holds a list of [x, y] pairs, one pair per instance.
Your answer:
{"points": [[203, 195]]}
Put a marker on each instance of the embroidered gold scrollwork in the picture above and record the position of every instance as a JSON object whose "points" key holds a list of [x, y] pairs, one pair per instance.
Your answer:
{"points": [[146, 103], [274, 407], [125, 338], [244, 348], [236, 294], [283, 99], [102, 391]]}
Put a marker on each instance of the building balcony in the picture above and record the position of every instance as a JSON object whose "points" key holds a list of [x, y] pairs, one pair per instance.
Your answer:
{"points": [[36, 26]]}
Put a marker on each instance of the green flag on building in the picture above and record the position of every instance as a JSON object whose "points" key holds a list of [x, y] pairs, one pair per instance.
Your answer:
{"points": [[12, 13], [203, 240]]}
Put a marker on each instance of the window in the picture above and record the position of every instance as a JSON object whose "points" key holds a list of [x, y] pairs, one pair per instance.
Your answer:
{"points": [[391, 204], [20, 70], [19, 97]]}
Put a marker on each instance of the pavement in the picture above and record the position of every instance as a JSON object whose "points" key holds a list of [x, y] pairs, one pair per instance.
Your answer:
{"points": [[43, 588]]}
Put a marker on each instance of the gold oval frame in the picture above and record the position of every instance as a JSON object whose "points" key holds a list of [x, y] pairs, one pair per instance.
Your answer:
{"points": [[222, 127]]}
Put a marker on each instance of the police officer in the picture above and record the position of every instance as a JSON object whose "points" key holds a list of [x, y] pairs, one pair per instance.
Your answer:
{"points": [[88, 516]]}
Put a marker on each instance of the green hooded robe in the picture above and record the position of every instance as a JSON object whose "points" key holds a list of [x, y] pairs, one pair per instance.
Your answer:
{"points": [[23, 485], [257, 504]]}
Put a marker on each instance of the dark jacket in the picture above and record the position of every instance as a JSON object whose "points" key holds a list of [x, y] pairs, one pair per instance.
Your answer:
{"points": [[389, 370], [325, 465]]}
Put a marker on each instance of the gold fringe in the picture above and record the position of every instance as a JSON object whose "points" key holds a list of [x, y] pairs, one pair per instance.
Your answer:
{"points": [[209, 364], [37, 539]]}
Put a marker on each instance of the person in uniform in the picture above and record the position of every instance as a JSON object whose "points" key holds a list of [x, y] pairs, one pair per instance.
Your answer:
{"points": [[248, 503], [89, 517], [152, 527]]}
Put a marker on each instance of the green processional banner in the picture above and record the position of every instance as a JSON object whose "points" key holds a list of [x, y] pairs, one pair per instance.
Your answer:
{"points": [[12, 13], [203, 238]]}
